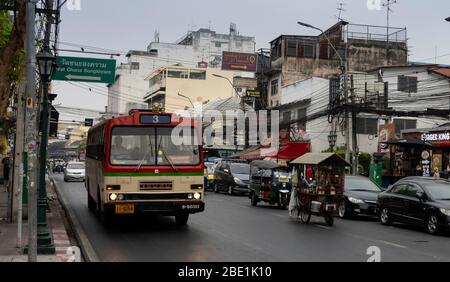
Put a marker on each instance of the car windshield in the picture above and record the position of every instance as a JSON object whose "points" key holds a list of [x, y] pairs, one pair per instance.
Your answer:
{"points": [[240, 168], [141, 146], [75, 166], [365, 184], [439, 191]]}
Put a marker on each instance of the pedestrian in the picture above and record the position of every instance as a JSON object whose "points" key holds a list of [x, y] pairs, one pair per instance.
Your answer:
{"points": [[6, 168], [436, 173]]}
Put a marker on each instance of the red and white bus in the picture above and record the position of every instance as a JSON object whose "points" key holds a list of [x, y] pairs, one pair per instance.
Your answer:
{"points": [[135, 165]]}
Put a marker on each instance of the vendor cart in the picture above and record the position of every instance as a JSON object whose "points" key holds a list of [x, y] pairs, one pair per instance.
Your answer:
{"points": [[321, 184]]}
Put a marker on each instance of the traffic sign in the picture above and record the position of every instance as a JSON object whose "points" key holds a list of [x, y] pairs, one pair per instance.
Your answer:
{"points": [[85, 69]]}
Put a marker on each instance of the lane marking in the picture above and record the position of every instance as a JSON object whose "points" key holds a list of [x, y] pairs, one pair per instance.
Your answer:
{"points": [[393, 244], [278, 215]]}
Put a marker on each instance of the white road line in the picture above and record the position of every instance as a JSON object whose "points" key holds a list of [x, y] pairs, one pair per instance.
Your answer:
{"points": [[278, 215], [392, 244]]}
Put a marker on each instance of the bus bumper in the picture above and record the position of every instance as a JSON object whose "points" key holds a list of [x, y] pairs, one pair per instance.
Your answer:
{"points": [[161, 208]]}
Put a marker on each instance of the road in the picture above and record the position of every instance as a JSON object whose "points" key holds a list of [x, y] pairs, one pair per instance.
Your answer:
{"points": [[232, 230]]}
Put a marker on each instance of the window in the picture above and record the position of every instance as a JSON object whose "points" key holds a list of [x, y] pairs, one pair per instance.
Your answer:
{"points": [[308, 51], [367, 126], [177, 74], [198, 75], [403, 124], [324, 52], [218, 44], [301, 113], [274, 87], [135, 146], [407, 84], [286, 116], [135, 65], [401, 189], [291, 48]]}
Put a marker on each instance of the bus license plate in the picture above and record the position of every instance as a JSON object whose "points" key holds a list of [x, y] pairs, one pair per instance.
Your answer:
{"points": [[125, 209]]}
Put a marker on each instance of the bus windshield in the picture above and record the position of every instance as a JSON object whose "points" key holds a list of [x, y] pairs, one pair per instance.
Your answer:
{"points": [[151, 146]]}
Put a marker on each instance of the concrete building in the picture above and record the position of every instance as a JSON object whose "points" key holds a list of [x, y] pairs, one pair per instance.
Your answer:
{"points": [[203, 47], [361, 47], [198, 84], [410, 88]]}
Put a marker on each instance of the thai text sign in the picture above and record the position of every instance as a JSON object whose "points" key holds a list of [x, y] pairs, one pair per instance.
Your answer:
{"points": [[239, 61]]}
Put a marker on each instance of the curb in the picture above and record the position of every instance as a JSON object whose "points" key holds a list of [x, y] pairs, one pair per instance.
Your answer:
{"points": [[86, 248]]}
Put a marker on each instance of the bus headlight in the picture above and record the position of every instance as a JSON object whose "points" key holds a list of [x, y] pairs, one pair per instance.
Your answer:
{"points": [[121, 197], [113, 196], [190, 196], [197, 196]]}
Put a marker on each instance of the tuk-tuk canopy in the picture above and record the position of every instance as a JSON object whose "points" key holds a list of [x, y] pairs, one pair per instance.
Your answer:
{"points": [[266, 164], [321, 158]]}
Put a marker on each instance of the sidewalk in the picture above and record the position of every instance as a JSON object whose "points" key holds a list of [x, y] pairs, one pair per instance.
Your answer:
{"points": [[55, 218]]}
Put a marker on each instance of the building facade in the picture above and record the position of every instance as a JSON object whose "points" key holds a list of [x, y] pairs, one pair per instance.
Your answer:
{"points": [[358, 47]]}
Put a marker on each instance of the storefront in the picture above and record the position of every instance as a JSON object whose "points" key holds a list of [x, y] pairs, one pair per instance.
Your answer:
{"points": [[439, 154]]}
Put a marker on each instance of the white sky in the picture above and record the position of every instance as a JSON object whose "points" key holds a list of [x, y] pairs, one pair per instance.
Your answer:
{"points": [[130, 25]]}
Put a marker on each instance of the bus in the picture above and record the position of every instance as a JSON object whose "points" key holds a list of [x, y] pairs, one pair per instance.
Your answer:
{"points": [[135, 165]]}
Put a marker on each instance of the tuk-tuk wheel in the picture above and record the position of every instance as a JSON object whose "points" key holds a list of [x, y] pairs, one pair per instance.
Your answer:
{"points": [[254, 200], [304, 214], [329, 219]]}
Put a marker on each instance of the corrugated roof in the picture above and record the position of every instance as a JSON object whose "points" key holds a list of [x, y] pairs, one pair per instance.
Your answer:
{"points": [[318, 158], [442, 71]]}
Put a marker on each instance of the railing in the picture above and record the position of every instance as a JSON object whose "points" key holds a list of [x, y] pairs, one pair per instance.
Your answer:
{"points": [[375, 33]]}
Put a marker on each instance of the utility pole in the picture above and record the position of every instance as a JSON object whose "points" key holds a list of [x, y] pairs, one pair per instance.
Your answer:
{"points": [[355, 162], [31, 132], [388, 11]]}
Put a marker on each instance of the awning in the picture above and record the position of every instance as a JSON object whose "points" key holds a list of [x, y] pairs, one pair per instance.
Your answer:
{"points": [[290, 151], [410, 143], [320, 158]]}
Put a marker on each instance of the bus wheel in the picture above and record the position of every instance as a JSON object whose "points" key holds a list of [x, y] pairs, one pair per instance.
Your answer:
{"points": [[182, 219], [92, 205]]}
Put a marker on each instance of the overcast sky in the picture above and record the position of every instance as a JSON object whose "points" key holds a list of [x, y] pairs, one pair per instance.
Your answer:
{"points": [[130, 25]]}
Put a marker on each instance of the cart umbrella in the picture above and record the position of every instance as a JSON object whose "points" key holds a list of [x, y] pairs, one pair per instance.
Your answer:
{"points": [[321, 159]]}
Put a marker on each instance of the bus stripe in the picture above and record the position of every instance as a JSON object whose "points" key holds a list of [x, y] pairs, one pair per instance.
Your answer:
{"points": [[136, 174]]}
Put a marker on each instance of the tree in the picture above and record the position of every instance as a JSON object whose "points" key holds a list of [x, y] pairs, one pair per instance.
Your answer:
{"points": [[12, 37]]}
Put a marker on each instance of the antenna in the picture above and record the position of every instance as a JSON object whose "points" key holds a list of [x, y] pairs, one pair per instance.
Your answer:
{"points": [[388, 4], [341, 9], [156, 36]]}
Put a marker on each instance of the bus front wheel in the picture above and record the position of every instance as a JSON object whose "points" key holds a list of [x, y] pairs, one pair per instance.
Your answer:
{"points": [[182, 219]]}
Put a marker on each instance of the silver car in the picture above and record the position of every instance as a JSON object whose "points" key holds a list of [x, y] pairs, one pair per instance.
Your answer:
{"points": [[74, 171]]}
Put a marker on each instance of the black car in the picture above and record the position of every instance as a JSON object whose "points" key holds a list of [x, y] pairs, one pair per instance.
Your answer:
{"points": [[423, 201], [232, 177], [360, 197]]}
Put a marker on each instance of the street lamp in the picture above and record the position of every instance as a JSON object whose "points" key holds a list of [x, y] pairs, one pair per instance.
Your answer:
{"points": [[329, 41], [187, 98], [229, 81], [46, 62]]}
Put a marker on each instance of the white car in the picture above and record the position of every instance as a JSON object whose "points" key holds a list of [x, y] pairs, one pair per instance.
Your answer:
{"points": [[74, 171]]}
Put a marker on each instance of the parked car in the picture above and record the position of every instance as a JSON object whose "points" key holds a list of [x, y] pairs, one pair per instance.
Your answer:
{"points": [[74, 171], [360, 197], [232, 177], [422, 201]]}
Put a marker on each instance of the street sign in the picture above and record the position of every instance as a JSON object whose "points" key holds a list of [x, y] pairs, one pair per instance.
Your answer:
{"points": [[85, 69]]}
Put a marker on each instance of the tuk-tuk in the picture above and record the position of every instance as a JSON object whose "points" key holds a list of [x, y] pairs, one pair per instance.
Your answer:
{"points": [[321, 184], [270, 183], [209, 176]]}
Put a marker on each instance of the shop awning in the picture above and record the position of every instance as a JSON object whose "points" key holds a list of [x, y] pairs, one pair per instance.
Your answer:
{"points": [[320, 158], [290, 151], [410, 143]]}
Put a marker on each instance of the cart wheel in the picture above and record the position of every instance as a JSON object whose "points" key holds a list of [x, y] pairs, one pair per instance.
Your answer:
{"points": [[304, 214], [329, 219]]}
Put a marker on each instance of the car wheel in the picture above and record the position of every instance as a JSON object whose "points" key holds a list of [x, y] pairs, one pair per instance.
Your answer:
{"points": [[65, 180], [385, 216], [432, 224], [255, 199], [342, 210], [182, 219]]}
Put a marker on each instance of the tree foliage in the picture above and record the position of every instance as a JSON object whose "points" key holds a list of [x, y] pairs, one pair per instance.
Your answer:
{"points": [[12, 57]]}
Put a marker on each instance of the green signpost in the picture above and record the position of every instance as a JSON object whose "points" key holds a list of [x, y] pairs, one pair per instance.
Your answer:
{"points": [[85, 69]]}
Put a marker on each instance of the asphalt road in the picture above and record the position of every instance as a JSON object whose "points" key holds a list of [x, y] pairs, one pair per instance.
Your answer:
{"points": [[232, 230]]}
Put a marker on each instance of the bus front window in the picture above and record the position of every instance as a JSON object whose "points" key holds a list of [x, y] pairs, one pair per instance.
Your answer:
{"points": [[150, 146]]}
